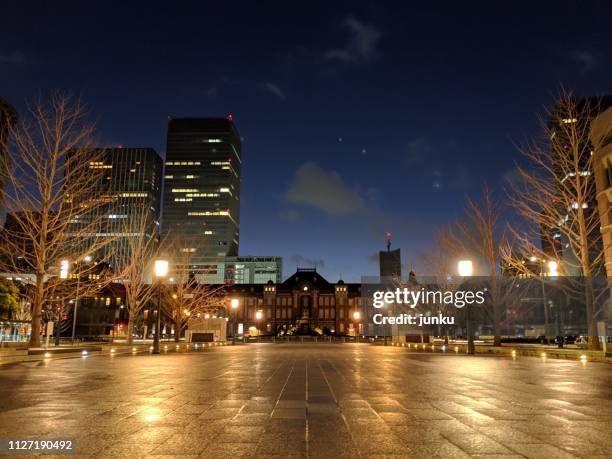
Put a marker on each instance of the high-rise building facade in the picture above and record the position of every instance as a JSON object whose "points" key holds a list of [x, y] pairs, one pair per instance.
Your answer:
{"points": [[201, 206], [601, 139], [554, 242], [130, 187]]}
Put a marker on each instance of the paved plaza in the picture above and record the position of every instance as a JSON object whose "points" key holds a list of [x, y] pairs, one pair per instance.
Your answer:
{"points": [[317, 400]]}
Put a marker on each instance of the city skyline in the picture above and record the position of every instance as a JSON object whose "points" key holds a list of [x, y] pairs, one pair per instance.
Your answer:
{"points": [[374, 108]]}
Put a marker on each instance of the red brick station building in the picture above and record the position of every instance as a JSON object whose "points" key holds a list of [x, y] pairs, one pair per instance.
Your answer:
{"points": [[304, 302]]}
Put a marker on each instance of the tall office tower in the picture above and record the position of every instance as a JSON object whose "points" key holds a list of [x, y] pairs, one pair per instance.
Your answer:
{"points": [[601, 139], [202, 187], [555, 242], [8, 117], [130, 188]]}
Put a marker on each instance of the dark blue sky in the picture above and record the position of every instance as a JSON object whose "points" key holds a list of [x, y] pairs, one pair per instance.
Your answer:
{"points": [[357, 118]]}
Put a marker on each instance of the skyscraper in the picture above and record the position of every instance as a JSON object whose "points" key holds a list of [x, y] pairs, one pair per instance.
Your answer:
{"points": [[201, 205], [575, 142], [130, 189], [601, 139]]}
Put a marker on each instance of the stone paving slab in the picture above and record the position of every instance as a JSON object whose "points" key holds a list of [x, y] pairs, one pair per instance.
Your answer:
{"points": [[312, 401]]}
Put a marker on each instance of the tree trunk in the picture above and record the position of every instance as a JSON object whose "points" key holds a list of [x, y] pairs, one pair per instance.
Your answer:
{"points": [[177, 330], [130, 330], [37, 311]]}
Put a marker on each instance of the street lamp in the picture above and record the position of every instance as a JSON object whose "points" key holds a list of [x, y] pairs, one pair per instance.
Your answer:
{"points": [[553, 272], [161, 271], [258, 317], [553, 268], [466, 269], [234, 304]]}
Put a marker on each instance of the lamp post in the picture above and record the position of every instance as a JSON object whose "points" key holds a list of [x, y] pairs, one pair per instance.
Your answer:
{"points": [[258, 317], [161, 271], [76, 302], [234, 304], [356, 318], [466, 269], [553, 272], [64, 268]]}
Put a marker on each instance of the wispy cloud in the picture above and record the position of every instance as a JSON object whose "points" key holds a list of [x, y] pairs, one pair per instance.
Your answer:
{"points": [[275, 90], [15, 57], [290, 216], [361, 46], [267, 87], [587, 59], [323, 190]]}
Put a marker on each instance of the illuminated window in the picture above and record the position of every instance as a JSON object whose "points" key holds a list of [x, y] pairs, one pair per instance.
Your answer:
{"points": [[99, 165], [208, 213], [133, 195], [203, 195], [168, 177], [183, 163]]}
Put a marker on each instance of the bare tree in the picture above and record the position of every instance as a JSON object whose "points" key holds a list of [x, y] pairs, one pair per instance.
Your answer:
{"points": [[556, 195], [133, 260], [439, 261], [482, 234], [185, 297], [51, 163]]}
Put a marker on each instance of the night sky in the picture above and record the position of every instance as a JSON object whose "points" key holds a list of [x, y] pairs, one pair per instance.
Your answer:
{"points": [[357, 118]]}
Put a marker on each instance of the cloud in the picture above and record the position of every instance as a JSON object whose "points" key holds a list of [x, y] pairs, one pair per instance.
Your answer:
{"points": [[290, 216], [586, 59], [323, 190], [362, 45], [302, 261], [275, 90], [15, 57], [265, 87]]}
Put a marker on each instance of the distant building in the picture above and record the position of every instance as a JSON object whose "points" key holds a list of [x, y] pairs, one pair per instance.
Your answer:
{"points": [[131, 188], [202, 187], [390, 261], [302, 303], [601, 139]]}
